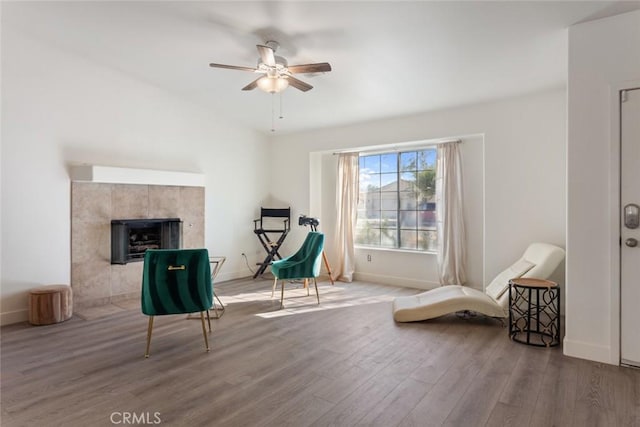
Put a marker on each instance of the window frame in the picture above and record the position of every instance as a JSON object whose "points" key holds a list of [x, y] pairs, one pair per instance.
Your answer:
{"points": [[399, 212]]}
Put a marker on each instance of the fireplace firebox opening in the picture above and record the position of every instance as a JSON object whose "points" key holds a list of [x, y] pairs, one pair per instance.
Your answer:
{"points": [[130, 238]]}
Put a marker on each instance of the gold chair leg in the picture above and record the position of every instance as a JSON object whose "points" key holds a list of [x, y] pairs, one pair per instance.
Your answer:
{"points": [[306, 285], [204, 331], [209, 318], [273, 289], [282, 295], [149, 330], [315, 282]]}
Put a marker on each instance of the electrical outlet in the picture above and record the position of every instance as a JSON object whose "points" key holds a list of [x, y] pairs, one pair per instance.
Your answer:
{"points": [[368, 257]]}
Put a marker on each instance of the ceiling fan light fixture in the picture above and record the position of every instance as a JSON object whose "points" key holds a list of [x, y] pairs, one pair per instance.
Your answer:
{"points": [[273, 84]]}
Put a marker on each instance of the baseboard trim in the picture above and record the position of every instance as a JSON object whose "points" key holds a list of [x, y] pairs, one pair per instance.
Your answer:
{"points": [[233, 275], [16, 316], [587, 351], [395, 281]]}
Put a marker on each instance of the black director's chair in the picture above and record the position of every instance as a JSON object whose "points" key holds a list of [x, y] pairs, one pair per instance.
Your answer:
{"points": [[275, 222]]}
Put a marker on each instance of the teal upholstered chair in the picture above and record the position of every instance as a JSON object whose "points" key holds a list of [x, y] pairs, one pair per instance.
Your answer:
{"points": [[176, 281], [304, 264]]}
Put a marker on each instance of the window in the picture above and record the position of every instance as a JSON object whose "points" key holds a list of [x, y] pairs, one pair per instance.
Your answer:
{"points": [[396, 206]]}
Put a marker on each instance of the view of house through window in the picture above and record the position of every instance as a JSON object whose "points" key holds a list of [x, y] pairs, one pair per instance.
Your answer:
{"points": [[396, 206]]}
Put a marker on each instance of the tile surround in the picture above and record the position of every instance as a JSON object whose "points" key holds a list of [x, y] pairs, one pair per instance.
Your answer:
{"points": [[93, 205], [130, 201]]}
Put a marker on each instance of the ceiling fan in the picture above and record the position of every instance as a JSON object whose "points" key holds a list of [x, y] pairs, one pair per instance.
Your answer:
{"points": [[275, 73]]}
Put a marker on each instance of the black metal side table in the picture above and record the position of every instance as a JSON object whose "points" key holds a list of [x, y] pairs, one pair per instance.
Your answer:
{"points": [[534, 312]]}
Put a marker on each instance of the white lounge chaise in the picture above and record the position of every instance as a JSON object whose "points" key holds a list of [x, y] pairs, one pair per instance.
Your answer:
{"points": [[539, 260]]}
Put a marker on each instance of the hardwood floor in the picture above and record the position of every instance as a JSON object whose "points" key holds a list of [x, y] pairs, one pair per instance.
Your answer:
{"points": [[343, 363]]}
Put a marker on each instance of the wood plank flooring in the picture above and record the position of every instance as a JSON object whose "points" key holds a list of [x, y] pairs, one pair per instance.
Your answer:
{"points": [[343, 363]]}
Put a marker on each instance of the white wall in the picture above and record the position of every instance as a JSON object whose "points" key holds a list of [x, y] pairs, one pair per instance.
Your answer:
{"points": [[524, 176], [57, 110], [1, 174], [603, 54]]}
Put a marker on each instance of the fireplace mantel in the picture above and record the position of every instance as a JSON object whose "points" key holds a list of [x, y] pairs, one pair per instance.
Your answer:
{"points": [[117, 175]]}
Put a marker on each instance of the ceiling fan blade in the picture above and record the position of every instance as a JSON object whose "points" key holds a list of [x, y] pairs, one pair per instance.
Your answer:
{"points": [[232, 67], [253, 84], [299, 84], [321, 67], [267, 55]]}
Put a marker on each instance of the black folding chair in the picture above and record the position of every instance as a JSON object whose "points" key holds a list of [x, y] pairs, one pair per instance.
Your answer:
{"points": [[274, 222]]}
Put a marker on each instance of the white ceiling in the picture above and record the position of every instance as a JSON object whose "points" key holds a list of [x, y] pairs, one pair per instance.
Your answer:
{"points": [[389, 58]]}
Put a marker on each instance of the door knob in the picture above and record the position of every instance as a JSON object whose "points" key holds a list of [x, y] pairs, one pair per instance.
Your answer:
{"points": [[631, 242]]}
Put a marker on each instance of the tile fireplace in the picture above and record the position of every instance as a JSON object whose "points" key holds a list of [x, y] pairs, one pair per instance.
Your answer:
{"points": [[97, 277]]}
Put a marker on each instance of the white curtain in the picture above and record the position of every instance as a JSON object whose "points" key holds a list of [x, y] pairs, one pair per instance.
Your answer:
{"points": [[452, 257], [347, 205]]}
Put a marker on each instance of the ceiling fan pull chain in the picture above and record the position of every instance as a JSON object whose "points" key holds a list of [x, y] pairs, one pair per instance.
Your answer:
{"points": [[281, 115], [273, 112]]}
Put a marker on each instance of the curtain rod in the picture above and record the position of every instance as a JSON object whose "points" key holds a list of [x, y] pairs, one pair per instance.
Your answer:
{"points": [[382, 149]]}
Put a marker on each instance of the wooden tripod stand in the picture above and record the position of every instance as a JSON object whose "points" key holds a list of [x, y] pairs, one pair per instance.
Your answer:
{"points": [[314, 227]]}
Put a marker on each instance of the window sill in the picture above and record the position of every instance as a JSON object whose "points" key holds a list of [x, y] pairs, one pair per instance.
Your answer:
{"points": [[406, 251]]}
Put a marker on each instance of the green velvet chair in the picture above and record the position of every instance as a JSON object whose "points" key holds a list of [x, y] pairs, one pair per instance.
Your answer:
{"points": [[176, 281], [304, 264]]}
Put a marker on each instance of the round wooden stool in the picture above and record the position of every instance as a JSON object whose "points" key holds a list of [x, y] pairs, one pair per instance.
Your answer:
{"points": [[50, 304]]}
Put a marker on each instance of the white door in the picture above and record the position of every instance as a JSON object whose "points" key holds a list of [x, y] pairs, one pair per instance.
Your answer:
{"points": [[629, 228]]}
